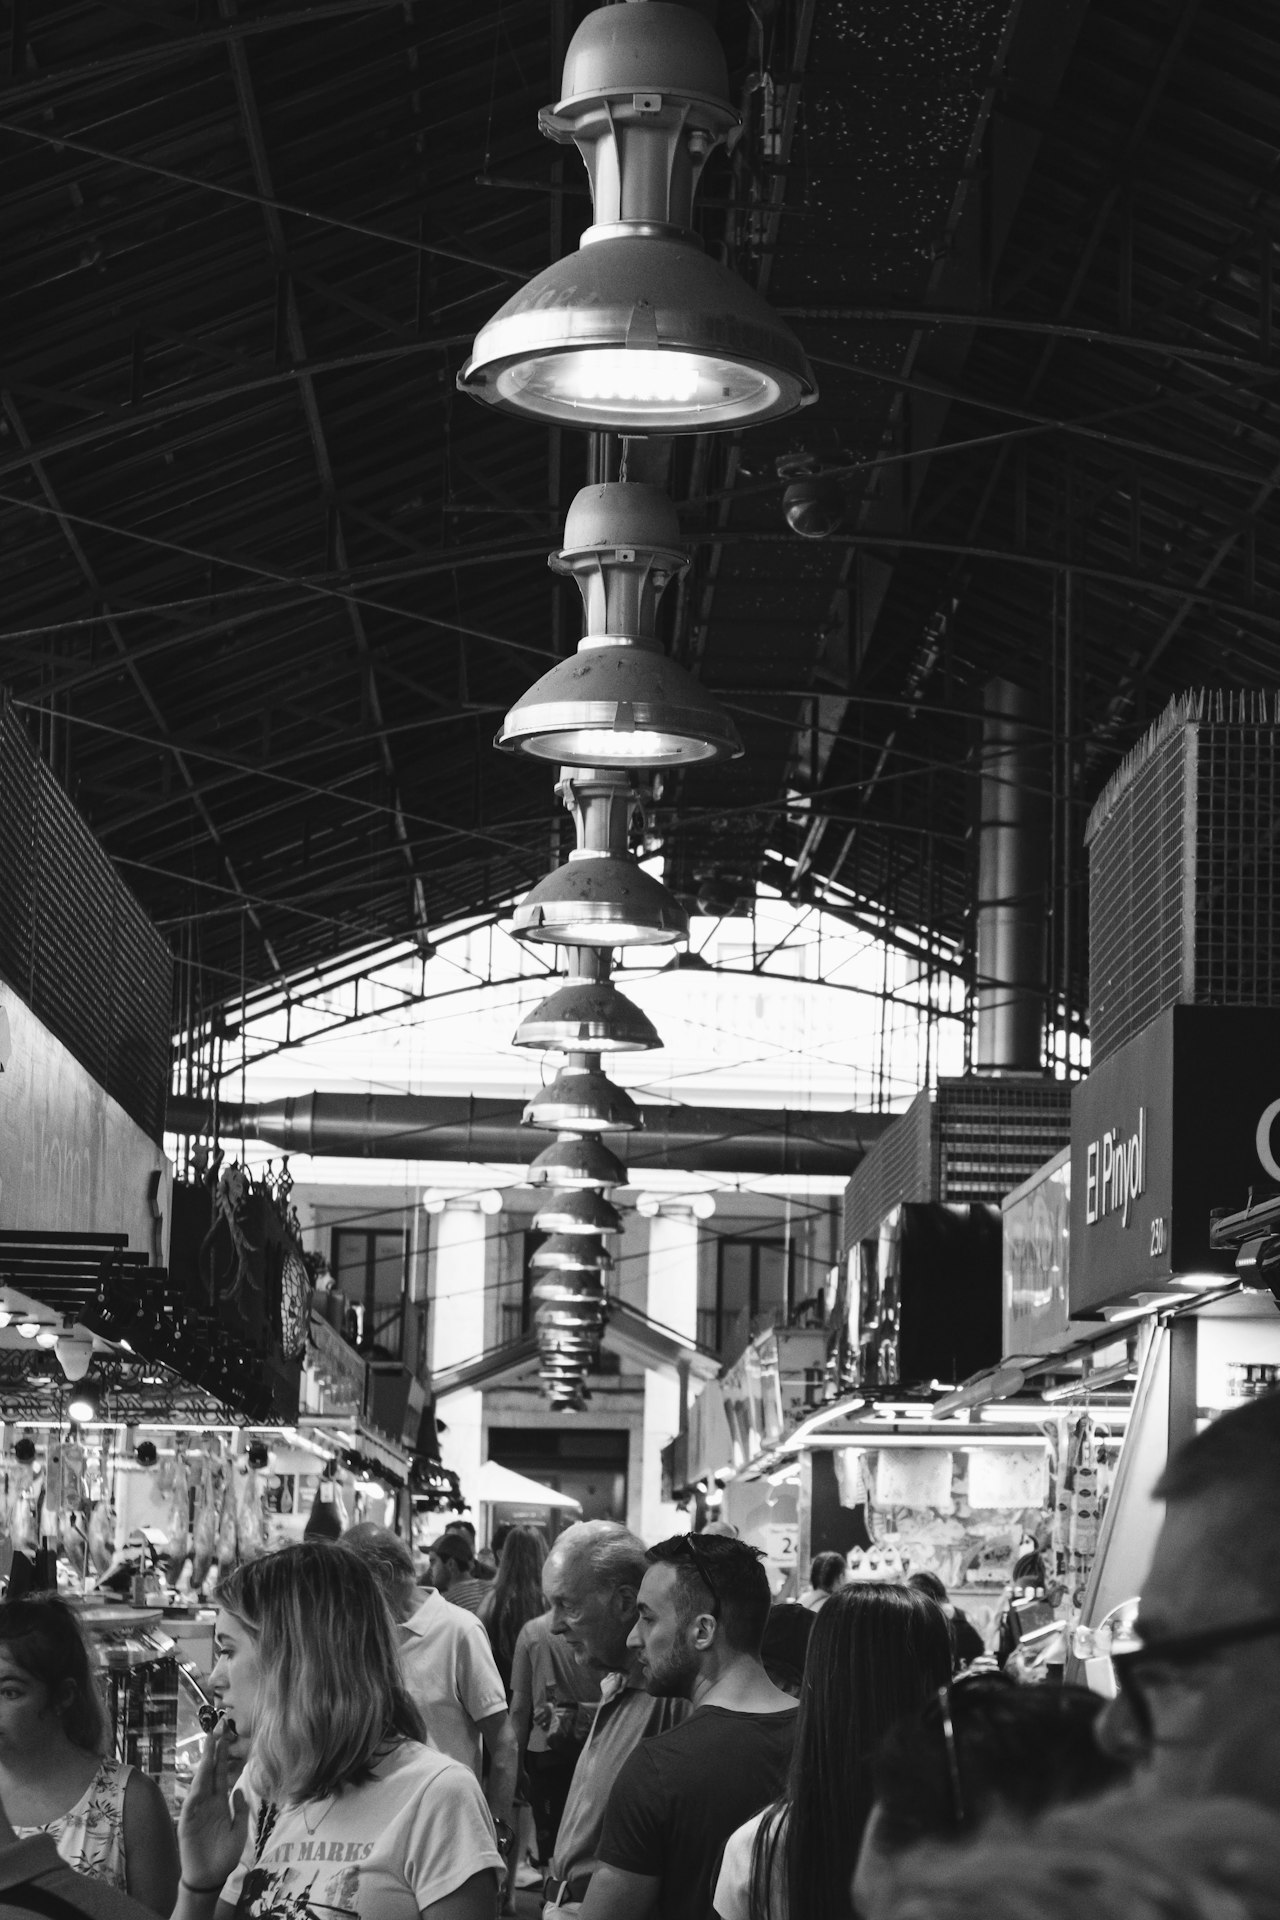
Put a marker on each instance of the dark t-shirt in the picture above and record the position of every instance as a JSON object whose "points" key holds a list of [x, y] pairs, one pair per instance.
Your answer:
{"points": [[968, 1641], [681, 1794]]}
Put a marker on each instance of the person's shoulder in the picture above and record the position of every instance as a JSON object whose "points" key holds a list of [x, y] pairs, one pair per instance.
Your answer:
{"points": [[535, 1631], [412, 1763]]}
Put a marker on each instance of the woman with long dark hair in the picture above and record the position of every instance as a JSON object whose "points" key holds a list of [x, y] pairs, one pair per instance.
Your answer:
{"points": [[516, 1595], [347, 1811], [876, 1653], [107, 1820]]}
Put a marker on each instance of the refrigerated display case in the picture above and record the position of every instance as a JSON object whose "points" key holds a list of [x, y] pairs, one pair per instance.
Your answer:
{"points": [[153, 1695]]}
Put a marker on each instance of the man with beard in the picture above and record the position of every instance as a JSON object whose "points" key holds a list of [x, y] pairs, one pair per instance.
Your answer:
{"points": [[702, 1609]]}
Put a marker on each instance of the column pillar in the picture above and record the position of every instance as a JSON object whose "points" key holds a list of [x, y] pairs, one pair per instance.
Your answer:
{"points": [[457, 1332], [672, 1300]]}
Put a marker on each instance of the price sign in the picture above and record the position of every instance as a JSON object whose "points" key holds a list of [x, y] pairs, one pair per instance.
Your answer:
{"points": [[782, 1544]]}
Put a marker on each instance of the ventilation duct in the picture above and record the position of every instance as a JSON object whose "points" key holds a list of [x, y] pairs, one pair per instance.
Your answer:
{"points": [[436, 1127], [1010, 942]]}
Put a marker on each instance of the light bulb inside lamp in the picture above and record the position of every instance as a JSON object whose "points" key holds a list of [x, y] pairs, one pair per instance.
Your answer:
{"points": [[47, 1338], [639, 388], [28, 1329]]}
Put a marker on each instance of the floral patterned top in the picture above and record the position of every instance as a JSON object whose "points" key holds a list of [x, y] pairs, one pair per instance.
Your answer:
{"points": [[90, 1836]]}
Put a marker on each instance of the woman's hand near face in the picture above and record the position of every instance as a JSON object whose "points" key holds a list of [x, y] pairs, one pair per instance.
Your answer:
{"points": [[211, 1838]]}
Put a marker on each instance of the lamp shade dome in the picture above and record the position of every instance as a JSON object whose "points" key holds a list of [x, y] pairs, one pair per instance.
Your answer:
{"points": [[581, 1099], [600, 900], [588, 1016], [619, 705], [576, 1162], [638, 332]]}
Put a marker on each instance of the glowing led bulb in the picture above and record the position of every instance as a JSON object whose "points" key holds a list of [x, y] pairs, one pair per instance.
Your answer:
{"points": [[47, 1338], [636, 374], [28, 1329]]}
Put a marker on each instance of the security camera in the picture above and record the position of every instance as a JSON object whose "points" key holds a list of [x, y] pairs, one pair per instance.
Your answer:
{"points": [[813, 503]]}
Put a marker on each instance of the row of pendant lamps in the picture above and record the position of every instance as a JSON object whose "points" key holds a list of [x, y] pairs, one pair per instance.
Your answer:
{"points": [[639, 332]]}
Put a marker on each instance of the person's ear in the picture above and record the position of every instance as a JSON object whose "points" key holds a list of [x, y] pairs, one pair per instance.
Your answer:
{"points": [[704, 1630], [626, 1600]]}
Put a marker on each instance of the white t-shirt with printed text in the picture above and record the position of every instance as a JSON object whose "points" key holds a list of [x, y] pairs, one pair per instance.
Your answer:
{"points": [[383, 1850]]}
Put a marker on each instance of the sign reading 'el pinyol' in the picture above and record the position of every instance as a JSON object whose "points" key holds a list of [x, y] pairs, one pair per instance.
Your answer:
{"points": [[1185, 1117]]}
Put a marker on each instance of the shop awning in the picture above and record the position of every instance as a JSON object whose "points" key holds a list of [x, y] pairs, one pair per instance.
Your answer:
{"points": [[495, 1482]]}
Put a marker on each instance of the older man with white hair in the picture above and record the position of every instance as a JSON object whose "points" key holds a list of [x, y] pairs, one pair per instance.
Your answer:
{"points": [[591, 1581]]}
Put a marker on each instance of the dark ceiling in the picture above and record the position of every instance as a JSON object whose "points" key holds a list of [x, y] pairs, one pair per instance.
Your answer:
{"points": [[270, 582]]}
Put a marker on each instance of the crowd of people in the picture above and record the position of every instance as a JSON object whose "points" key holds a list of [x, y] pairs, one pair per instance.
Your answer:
{"points": [[641, 1734]]}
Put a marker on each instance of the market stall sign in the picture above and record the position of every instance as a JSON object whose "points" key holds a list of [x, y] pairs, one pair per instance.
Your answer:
{"points": [[1180, 1120], [71, 1159]]}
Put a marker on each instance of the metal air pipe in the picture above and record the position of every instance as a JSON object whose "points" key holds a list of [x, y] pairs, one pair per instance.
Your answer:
{"points": [[1011, 880]]}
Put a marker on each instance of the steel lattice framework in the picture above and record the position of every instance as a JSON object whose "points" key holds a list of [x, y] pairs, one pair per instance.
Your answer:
{"points": [[270, 583]]}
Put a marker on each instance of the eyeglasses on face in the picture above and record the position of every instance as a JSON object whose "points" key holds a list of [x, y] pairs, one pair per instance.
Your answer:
{"points": [[1147, 1664]]}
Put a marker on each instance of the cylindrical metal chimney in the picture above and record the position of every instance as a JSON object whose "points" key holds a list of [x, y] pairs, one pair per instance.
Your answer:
{"points": [[1011, 876]]}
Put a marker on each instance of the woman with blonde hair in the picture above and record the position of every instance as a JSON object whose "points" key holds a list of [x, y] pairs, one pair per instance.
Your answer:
{"points": [[341, 1808]]}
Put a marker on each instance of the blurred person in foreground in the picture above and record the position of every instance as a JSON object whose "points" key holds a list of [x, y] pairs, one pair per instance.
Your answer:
{"points": [[34, 1879], [341, 1809], [876, 1652], [57, 1777], [701, 1614], [591, 1582], [1169, 1859], [449, 1671], [982, 1747], [1198, 1707]]}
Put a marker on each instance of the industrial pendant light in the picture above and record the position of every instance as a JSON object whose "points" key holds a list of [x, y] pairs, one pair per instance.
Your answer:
{"points": [[588, 1012], [639, 331], [572, 1161], [619, 701], [570, 1316], [582, 1099], [572, 1253], [578, 1211], [600, 897]]}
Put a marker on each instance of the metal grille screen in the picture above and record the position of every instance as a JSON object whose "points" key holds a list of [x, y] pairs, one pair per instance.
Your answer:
{"points": [[994, 1134], [1184, 901], [73, 940], [899, 1166]]}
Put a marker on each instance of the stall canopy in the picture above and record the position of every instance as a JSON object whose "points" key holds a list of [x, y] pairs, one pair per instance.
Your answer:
{"points": [[495, 1482]]}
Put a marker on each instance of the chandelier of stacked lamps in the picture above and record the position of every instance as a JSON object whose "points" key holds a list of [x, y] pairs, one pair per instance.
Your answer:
{"points": [[638, 332]]}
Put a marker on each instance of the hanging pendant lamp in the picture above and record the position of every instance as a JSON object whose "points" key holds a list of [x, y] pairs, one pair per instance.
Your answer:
{"points": [[575, 1161], [619, 701], [577, 1211], [640, 331], [600, 897], [588, 1013], [582, 1099], [572, 1253]]}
